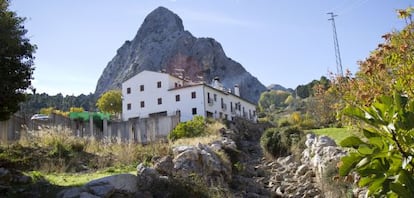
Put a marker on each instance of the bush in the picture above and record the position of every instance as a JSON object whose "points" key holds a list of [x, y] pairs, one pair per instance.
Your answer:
{"points": [[192, 128], [308, 124], [271, 142], [279, 142], [283, 122]]}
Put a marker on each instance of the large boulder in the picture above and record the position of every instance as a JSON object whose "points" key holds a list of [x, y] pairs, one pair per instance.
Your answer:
{"points": [[122, 184], [200, 160], [321, 152]]}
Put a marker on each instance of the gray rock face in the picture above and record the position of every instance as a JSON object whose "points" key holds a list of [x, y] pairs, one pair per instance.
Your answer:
{"points": [[201, 160], [162, 44]]}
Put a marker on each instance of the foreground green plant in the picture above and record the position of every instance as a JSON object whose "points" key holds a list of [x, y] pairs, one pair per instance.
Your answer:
{"points": [[279, 142], [384, 158], [193, 128]]}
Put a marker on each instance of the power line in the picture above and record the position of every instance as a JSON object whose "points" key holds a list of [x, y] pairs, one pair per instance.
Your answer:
{"points": [[336, 45]]}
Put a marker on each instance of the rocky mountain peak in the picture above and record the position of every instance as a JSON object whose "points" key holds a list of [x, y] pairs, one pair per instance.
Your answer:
{"points": [[160, 21]]}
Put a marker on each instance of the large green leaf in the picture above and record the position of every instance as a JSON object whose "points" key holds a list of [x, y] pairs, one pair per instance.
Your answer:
{"points": [[376, 184], [365, 149], [348, 163], [376, 141], [365, 181], [369, 132], [354, 112], [352, 141]]}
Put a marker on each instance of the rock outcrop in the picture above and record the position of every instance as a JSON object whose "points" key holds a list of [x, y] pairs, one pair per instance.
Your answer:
{"points": [[162, 44]]}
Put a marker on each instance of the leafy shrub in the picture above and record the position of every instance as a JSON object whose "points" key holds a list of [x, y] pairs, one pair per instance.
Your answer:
{"points": [[383, 158], [272, 144], [284, 122], [281, 141], [192, 128], [308, 124]]}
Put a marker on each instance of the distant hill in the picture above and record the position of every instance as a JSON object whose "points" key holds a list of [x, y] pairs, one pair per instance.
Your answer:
{"points": [[162, 44], [279, 87]]}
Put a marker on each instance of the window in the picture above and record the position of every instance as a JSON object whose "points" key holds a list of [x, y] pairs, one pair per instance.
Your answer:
{"points": [[193, 94], [128, 90], [141, 87], [142, 104], [215, 97], [159, 101], [231, 106], [129, 106], [222, 103], [194, 111], [159, 84], [177, 98]]}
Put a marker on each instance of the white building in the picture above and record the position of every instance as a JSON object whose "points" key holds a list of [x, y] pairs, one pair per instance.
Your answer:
{"points": [[150, 94]]}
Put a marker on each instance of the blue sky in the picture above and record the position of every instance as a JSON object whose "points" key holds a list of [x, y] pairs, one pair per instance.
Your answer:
{"points": [[283, 42]]}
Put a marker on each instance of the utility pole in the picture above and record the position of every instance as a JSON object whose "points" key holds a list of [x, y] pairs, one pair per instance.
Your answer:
{"points": [[336, 44]]}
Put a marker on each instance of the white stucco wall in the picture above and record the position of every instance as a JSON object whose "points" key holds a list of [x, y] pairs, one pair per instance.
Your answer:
{"points": [[187, 103], [229, 100]]}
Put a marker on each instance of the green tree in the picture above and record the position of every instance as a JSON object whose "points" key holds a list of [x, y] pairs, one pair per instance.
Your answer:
{"points": [[110, 102], [322, 107], [16, 61], [273, 97], [305, 91]]}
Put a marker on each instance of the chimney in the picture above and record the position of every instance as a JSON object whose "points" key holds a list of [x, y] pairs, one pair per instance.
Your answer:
{"points": [[216, 83], [236, 90]]}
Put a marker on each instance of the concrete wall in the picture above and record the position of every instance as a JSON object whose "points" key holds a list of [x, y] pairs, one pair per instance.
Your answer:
{"points": [[142, 130], [10, 129]]}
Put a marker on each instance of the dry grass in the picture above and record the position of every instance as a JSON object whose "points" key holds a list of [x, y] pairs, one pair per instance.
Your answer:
{"points": [[61, 151], [212, 134]]}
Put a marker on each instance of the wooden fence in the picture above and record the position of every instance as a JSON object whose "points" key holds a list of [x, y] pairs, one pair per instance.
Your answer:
{"points": [[142, 130]]}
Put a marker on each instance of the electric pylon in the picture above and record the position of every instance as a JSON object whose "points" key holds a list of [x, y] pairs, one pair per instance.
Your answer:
{"points": [[336, 44]]}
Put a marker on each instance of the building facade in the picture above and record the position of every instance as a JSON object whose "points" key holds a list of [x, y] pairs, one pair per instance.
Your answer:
{"points": [[149, 94]]}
